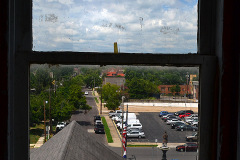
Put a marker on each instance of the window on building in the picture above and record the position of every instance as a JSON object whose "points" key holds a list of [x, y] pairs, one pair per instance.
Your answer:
{"points": [[23, 53]]}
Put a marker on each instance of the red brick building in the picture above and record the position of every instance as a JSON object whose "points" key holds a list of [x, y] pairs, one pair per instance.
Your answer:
{"points": [[192, 89]]}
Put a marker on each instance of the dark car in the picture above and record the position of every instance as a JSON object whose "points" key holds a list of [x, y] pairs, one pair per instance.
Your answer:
{"points": [[188, 147], [166, 116], [174, 125], [185, 127], [163, 113], [99, 128], [169, 117], [183, 112], [96, 118]]}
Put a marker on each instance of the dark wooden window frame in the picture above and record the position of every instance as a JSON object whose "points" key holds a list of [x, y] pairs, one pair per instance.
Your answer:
{"points": [[21, 57]]}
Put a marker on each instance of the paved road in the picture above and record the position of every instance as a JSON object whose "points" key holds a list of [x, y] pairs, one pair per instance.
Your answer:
{"points": [[154, 128], [148, 153], [86, 119]]}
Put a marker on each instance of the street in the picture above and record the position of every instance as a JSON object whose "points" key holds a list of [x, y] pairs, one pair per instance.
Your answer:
{"points": [[153, 127]]}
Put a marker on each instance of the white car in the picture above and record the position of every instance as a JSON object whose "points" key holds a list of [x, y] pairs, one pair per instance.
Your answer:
{"points": [[190, 120], [192, 116], [119, 124], [60, 126], [172, 121], [134, 125], [194, 122], [135, 133], [98, 122], [86, 93]]}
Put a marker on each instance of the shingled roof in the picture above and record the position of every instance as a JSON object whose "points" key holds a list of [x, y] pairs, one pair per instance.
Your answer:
{"points": [[73, 142]]}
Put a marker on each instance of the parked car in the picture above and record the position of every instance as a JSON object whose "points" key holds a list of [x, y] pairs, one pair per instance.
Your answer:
{"points": [[170, 121], [86, 93], [174, 125], [136, 134], [97, 122], [189, 120], [111, 114], [96, 118], [193, 137], [60, 126], [188, 147], [134, 125], [184, 115], [163, 113], [193, 116], [169, 117], [185, 127], [183, 112], [170, 114], [119, 124], [99, 128], [194, 123]]}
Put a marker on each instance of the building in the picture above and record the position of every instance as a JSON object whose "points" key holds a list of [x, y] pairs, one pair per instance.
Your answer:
{"points": [[115, 76], [192, 89], [166, 89], [218, 56]]}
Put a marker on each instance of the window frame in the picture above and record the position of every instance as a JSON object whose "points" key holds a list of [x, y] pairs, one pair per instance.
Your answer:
{"points": [[21, 57]]}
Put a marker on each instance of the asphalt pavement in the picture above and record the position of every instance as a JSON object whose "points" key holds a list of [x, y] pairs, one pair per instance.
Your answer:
{"points": [[149, 153], [153, 127]]}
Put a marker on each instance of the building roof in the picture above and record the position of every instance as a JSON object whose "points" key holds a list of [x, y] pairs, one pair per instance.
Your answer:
{"points": [[73, 142], [112, 74]]}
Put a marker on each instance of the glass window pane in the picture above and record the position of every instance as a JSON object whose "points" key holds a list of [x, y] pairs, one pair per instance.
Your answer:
{"points": [[138, 26], [57, 98]]}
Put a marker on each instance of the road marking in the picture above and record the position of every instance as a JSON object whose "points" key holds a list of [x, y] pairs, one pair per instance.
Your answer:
{"points": [[90, 130]]}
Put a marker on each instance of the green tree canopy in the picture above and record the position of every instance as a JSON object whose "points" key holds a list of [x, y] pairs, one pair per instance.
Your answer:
{"points": [[111, 95], [141, 89]]}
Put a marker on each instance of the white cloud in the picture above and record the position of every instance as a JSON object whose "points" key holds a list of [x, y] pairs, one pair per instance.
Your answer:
{"points": [[86, 25]]}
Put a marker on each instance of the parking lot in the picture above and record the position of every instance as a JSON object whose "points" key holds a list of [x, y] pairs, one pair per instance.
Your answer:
{"points": [[154, 128]]}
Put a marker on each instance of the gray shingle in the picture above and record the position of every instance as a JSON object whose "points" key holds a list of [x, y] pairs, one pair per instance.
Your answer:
{"points": [[73, 142]]}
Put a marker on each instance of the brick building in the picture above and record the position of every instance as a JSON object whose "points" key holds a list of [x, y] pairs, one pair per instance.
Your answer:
{"points": [[192, 89], [115, 76]]}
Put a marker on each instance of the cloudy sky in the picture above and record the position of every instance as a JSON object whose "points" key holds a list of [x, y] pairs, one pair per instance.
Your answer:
{"points": [[141, 26]]}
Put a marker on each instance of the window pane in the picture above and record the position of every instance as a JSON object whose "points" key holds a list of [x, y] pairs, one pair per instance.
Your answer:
{"points": [[138, 26], [57, 98]]}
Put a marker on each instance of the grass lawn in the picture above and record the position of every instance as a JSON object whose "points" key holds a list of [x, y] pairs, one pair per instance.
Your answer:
{"points": [[35, 134], [107, 130]]}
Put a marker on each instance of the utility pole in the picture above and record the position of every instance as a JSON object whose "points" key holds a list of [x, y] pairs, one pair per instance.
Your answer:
{"points": [[101, 102], [44, 121], [187, 83], [50, 118], [122, 120]]}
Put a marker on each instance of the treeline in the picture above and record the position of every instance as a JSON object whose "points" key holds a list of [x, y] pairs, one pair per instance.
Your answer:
{"points": [[63, 91], [142, 82], [64, 87]]}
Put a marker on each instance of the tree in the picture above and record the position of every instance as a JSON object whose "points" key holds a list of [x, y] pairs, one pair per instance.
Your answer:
{"points": [[140, 88], [36, 109], [173, 89], [111, 95], [177, 89]]}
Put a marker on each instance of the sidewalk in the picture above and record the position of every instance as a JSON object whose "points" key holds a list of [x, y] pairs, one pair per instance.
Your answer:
{"points": [[39, 142], [115, 136], [170, 145]]}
